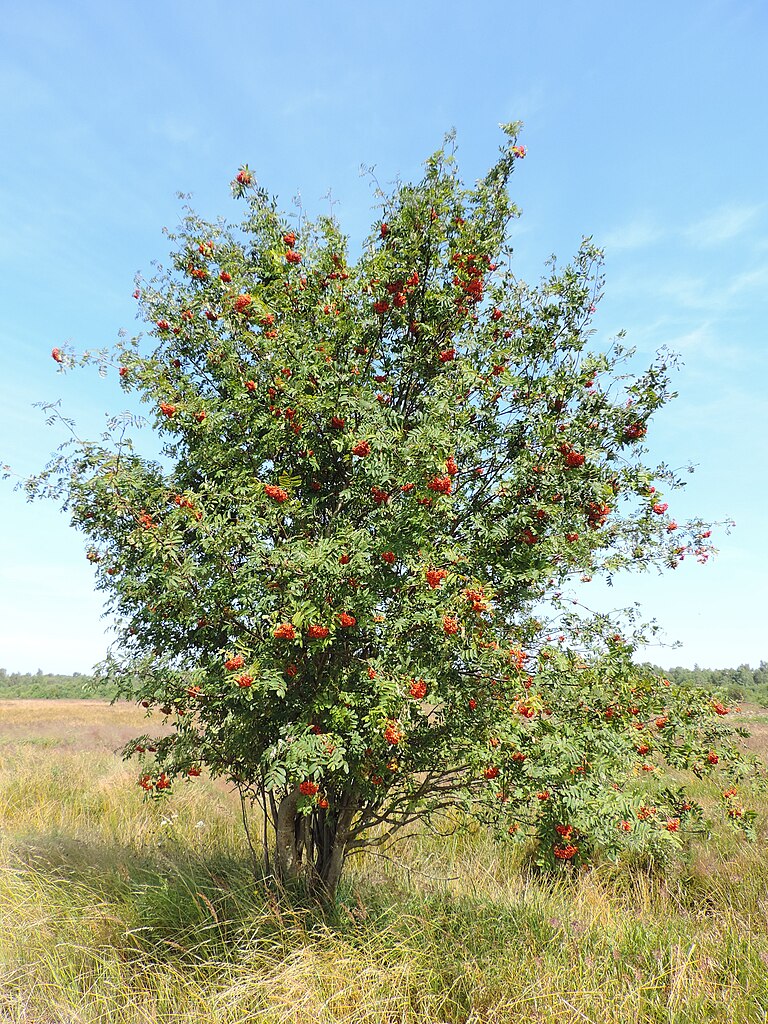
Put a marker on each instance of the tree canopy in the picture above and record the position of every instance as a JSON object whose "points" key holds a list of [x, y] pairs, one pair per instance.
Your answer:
{"points": [[345, 577]]}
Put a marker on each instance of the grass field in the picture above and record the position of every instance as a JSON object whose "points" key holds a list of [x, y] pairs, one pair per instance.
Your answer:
{"points": [[115, 910]]}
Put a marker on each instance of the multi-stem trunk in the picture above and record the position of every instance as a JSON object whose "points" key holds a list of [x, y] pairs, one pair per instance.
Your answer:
{"points": [[311, 848]]}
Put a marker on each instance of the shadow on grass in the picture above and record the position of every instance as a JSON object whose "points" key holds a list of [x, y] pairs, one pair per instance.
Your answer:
{"points": [[177, 905]]}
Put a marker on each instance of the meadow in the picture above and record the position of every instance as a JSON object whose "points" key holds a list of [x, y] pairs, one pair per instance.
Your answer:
{"points": [[113, 909]]}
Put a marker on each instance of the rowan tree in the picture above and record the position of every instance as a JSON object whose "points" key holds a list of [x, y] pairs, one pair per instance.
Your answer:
{"points": [[343, 579]]}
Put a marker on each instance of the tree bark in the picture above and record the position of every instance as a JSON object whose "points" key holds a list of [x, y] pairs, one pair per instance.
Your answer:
{"points": [[286, 854], [312, 848], [330, 863]]}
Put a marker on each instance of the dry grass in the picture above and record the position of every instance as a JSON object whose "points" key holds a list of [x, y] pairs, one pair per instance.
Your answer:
{"points": [[81, 725], [115, 910], [756, 720]]}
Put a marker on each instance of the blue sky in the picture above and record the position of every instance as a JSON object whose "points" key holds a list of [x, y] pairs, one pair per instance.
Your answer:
{"points": [[645, 127]]}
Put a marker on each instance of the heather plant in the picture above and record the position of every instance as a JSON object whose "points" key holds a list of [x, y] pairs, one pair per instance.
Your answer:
{"points": [[346, 579]]}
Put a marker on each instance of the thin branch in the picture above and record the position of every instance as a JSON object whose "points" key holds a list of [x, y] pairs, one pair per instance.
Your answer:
{"points": [[409, 868]]}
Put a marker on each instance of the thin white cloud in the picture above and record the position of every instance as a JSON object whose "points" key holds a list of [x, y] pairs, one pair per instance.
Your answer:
{"points": [[692, 292], [749, 281], [175, 131], [702, 292], [636, 234], [719, 226], [526, 103], [696, 340], [735, 408], [305, 102], [723, 224]]}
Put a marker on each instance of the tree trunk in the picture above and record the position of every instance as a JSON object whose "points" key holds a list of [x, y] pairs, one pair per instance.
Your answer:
{"points": [[286, 855], [311, 848]]}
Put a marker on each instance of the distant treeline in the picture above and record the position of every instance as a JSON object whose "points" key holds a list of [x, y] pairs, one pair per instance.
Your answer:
{"points": [[44, 686], [742, 683]]}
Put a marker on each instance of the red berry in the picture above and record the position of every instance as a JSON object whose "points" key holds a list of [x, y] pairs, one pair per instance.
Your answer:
{"points": [[435, 577], [393, 733], [418, 689], [317, 632], [276, 493], [565, 852], [573, 459], [441, 484]]}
